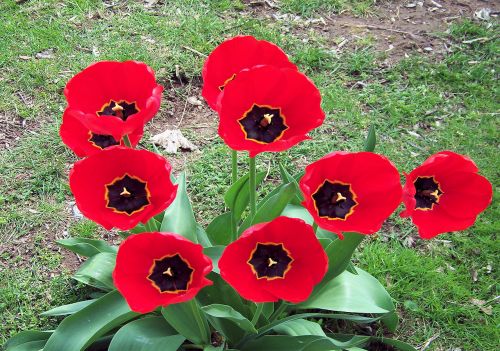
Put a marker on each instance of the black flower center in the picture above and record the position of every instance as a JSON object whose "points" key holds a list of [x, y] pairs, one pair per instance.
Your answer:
{"points": [[334, 200], [270, 261], [122, 109], [171, 274], [221, 87], [263, 124], [102, 141], [427, 193], [127, 195]]}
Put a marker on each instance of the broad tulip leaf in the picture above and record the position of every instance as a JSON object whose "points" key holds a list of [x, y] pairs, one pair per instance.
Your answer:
{"points": [[188, 320], [339, 254], [179, 217], [214, 252], [227, 312], [299, 327], [353, 293], [371, 139], [268, 309], [30, 340], [86, 247], [296, 211], [299, 343], [68, 309], [151, 333], [238, 195], [219, 230], [97, 271], [288, 178], [366, 343], [81, 329], [272, 208], [214, 348]]}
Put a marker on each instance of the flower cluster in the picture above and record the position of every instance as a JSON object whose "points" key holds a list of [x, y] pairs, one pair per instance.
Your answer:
{"points": [[265, 104]]}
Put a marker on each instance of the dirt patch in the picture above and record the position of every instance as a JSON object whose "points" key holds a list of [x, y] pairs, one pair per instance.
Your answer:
{"points": [[396, 28], [13, 127], [184, 108]]}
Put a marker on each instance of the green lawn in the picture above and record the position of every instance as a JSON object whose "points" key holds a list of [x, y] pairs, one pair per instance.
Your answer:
{"points": [[419, 106]]}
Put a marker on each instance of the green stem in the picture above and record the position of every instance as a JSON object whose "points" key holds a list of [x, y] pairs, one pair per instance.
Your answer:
{"points": [[315, 226], [126, 141], [258, 312], [278, 311], [151, 225], [234, 164], [252, 187]]}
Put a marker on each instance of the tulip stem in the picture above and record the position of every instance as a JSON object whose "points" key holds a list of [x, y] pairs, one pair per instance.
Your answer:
{"points": [[234, 163], [315, 226], [252, 187], [281, 308], [126, 141], [258, 312]]}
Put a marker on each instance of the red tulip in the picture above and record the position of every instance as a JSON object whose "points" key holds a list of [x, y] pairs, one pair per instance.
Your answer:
{"points": [[268, 109], [159, 269], [281, 259], [234, 55], [120, 187], [351, 192], [114, 98], [445, 194], [83, 142]]}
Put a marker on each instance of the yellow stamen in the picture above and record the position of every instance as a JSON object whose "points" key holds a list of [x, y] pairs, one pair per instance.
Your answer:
{"points": [[118, 110], [271, 262], [340, 197], [268, 117], [169, 272], [435, 193], [125, 192]]}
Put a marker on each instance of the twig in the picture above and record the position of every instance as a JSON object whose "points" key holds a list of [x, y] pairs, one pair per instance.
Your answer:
{"points": [[482, 40], [193, 50], [429, 342]]}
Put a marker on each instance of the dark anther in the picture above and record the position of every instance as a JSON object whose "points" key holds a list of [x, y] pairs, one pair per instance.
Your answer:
{"points": [[121, 109], [127, 194], [171, 274], [427, 192], [334, 200], [270, 261], [263, 124]]}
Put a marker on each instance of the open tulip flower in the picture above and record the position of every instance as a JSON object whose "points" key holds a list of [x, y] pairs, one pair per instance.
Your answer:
{"points": [[120, 187], [84, 143], [268, 108], [159, 269], [445, 194], [234, 55], [114, 98], [351, 192], [281, 259]]}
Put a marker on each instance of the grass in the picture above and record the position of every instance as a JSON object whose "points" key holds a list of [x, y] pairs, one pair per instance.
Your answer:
{"points": [[419, 106]]}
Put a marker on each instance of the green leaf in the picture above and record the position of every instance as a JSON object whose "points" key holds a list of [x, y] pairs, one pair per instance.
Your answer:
{"points": [[67, 309], [371, 139], [214, 348], [348, 292], [299, 327], [97, 271], [238, 195], [339, 254], [288, 178], [188, 320], [268, 309], [272, 208], [219, 230], [227, 312], [86, 247], [295, 211], [146, 334], [214, 252], [299, 343], [179, 217], [30, 340], [81, 329], [399, 345]]}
